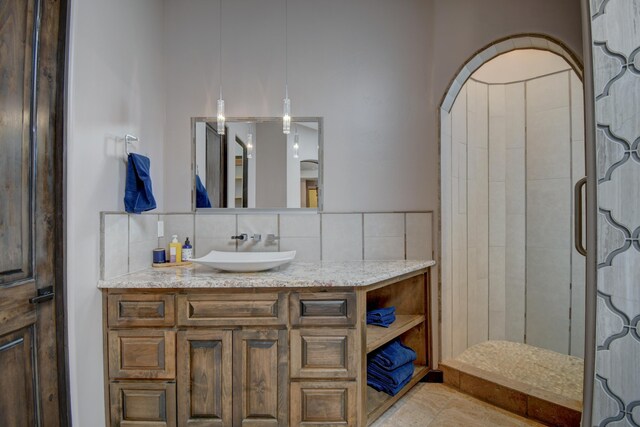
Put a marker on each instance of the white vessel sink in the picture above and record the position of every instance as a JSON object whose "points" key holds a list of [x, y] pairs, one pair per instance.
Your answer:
{"points": [[245, 262]]}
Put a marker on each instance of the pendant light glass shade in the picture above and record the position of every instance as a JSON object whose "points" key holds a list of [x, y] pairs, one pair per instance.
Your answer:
{"points": [[296, 143], [221, 118], [249, 144], [286, 113]]}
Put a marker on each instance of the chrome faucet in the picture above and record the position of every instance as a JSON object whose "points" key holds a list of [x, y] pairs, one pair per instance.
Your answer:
{"points": [[242, 237], [271, 239], [256, 238]]}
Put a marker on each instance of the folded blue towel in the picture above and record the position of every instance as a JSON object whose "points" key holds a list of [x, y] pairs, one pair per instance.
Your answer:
{"points": [[202, 197], [389, 381], [138, 194], [384, 322], [382, 386], [392, 355], [381, 316], [381, 311]]}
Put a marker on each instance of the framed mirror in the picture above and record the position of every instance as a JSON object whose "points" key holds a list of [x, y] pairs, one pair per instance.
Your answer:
{"points": [[254, 165]]}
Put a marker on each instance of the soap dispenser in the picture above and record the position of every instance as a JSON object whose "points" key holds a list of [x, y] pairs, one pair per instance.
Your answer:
{"points": [[187, 250], [175, 250]]}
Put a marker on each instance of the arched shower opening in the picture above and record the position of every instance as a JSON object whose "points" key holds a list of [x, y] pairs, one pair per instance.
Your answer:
{"points": [[512, 149]]}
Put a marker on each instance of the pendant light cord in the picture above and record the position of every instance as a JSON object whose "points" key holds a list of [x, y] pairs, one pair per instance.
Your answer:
{"points": [[286, 46], [220, 49]]}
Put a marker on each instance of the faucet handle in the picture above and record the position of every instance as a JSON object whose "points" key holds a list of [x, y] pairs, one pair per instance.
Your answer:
{"points": [[271, 238], [256, 237], [242, 237]]}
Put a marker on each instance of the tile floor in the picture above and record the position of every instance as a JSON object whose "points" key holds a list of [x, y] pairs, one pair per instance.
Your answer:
{"points": [[436, 405]]}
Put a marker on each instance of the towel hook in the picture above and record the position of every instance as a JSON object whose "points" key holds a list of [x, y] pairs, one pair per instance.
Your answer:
{"points": [[128, 139]]}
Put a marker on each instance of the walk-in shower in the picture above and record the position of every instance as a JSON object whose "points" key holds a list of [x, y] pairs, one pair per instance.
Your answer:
{"points": [[512, 151]]}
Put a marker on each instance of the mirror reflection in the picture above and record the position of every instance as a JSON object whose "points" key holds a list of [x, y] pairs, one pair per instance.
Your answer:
{"points": [[255, 165]]}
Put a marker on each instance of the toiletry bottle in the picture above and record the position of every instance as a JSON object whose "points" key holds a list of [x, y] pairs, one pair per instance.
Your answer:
{"points": [[175, 249], [187, 251]]}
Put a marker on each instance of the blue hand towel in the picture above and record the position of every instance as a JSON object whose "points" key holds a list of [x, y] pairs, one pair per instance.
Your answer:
{"points": [[202, 197], [382, 386], [381, 316], [392, 356], [138, 194]]}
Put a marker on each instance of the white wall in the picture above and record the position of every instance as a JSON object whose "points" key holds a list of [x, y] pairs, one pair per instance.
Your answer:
{"points": [[116, 86], [363, 65]]}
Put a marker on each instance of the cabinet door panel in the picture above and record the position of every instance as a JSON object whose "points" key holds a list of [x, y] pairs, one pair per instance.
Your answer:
{"points": [[143, 404], [323, 353], [17, 407], [142, 354], [260, 371], [323, 403], [204, 378]]}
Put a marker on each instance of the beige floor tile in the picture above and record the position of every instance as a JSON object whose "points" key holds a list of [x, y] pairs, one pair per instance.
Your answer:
{"points": [[438, 405]]}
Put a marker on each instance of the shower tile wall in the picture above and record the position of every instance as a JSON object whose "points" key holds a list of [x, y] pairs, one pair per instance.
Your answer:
{"points": [[459, 320], [478, 212], [515, 260], [447, 217], [509, 221], [497, 211], [616, 63], [549, 189]]}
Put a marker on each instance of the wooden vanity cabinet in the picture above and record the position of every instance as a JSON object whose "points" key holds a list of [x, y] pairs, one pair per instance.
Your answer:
{"points": [[254, 358]]}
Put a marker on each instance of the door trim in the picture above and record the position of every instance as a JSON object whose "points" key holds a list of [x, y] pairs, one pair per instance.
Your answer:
{"points": [[60, 216]]}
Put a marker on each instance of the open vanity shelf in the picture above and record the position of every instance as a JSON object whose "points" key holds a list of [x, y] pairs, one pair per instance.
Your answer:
{"points": [[211, 354], [410, 297]]}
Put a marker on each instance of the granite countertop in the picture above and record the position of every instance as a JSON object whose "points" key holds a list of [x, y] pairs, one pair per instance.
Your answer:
{"points": [[293, 275]]}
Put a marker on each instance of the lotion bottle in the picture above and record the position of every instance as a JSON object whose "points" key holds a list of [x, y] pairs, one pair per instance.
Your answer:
{"points": [[175, 249], [187, 251]]}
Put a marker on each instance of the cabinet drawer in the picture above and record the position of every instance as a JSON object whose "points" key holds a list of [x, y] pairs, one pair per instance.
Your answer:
{"points": [[129, 310], [232, 310], [143, 404], [142, 354], [323, 403], [324, 309], [323, 353]]}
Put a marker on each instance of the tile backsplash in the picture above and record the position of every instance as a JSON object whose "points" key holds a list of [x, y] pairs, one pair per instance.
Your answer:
{"points": [[315, 237]]}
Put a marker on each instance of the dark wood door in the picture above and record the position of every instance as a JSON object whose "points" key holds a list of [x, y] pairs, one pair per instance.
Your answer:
{"points": [[204, 378], [31, 70], [260, 372]]}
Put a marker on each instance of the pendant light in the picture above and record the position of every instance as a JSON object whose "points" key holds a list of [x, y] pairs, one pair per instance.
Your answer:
{"points": [[249, 141], [286, 102], [221, 117], [296, 142]]}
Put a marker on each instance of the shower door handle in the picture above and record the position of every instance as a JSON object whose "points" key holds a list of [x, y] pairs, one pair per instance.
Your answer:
{"points": [[577, 216]]}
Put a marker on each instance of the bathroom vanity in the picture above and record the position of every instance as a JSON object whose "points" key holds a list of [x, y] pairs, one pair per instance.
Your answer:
{"points": [[195, 346]]}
